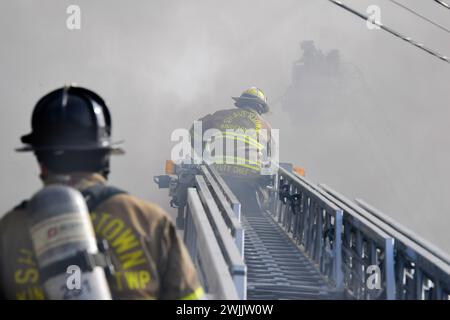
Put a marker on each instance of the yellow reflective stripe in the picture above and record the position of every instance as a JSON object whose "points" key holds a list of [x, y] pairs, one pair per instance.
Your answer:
{"points": [[243, 160], [256, 166], [197, 294], [245, 136], [240, 165], [258, 125], [247, 139], [235, 136]]}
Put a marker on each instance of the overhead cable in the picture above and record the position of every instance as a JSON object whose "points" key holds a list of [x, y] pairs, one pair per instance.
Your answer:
{"points": [[420, 16], [442, 3], [415, 43]]}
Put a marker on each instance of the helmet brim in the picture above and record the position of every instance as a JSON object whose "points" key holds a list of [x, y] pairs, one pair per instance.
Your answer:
{"points": [[249, 99], [113, 148]]}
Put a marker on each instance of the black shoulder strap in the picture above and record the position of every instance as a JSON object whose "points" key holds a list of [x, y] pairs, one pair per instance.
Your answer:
{"points": [[93, 196], [99, 193]]}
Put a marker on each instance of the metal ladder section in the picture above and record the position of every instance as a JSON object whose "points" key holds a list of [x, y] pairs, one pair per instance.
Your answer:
{"points": [[310, 242], [373, 256], [276, 268], [214, 236]]}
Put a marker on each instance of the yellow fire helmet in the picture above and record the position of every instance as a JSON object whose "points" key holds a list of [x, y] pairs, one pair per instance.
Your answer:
{"points": [[253, 98]]}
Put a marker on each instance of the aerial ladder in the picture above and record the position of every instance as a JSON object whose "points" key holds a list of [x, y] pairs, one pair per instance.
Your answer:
{"points": [[308, 242]]}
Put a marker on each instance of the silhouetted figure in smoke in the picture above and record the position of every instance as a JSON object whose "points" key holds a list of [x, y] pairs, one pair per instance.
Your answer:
{"points": [[321, 82]]}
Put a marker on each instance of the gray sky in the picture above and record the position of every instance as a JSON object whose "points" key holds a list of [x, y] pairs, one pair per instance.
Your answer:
{"points": [[162, 64]]}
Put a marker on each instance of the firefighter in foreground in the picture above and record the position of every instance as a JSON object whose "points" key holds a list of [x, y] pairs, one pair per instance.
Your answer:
{"points": [[241, 128], [71, 129]]}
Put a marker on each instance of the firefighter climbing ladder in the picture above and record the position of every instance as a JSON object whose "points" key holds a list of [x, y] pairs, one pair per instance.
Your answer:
{"points": [[310, 242]]}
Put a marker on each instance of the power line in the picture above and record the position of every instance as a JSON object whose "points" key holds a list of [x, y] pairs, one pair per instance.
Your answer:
{"points": [[392, 31], [442, 3], [421, 16]]}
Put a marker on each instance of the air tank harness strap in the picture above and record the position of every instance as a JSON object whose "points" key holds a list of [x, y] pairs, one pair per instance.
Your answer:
{"points": [[82, 259], [99, 193]]}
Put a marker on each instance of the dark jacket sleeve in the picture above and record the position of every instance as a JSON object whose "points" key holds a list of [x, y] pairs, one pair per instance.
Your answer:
{"points": [[199, 135]]}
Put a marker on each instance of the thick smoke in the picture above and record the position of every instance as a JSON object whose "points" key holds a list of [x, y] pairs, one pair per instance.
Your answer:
{"points": [[162, 64]]}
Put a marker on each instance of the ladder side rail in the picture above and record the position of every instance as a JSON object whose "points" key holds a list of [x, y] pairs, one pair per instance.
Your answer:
{"points": [[205, 251], [230, 251]]}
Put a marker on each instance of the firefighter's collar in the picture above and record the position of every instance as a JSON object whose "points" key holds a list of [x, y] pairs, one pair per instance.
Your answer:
{"points": [[77, 180]]}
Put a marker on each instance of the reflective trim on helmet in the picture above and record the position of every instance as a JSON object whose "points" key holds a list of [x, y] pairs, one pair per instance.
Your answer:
{"points": [[256, 93]]}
